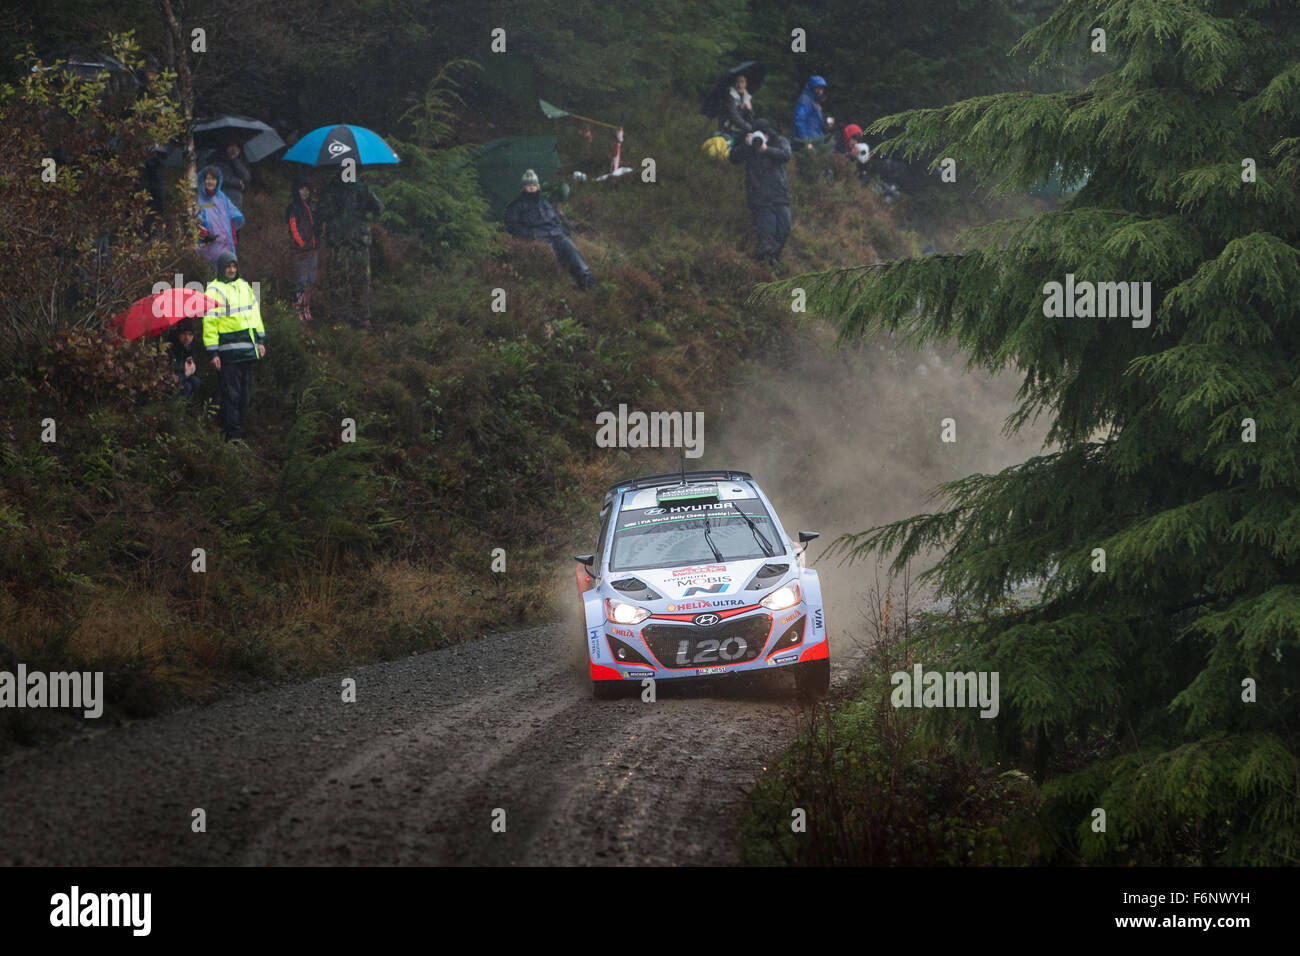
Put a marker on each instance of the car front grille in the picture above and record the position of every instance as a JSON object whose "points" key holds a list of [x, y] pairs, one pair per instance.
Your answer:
{"points": [[733, 641]]}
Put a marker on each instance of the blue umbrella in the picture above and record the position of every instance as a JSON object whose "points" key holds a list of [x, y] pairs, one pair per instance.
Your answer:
{"points": [[330, 145]]}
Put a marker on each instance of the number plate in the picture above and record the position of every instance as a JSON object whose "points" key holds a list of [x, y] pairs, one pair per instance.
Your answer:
{"points": [[707, 650], [710, 670]]}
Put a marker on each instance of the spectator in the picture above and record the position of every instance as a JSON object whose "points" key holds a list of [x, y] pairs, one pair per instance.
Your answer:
{"points": [[849, 137], [234, 334], [811, 129], [767, 188], [236, 176], [809, 125], [346, 208], [739, 117], [529, 216], [181, 353], [218, 217], [305, 232]]}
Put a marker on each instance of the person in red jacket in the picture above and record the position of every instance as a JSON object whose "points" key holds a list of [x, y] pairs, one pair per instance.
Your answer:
{"points": [[305, 232], [849, 137]]}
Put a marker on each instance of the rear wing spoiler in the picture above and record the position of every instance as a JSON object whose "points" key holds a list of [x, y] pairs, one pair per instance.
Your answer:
{"points": [[649, 481]]}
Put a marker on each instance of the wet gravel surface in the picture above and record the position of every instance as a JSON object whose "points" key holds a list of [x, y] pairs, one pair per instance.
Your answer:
{"points": [[437, 754]]}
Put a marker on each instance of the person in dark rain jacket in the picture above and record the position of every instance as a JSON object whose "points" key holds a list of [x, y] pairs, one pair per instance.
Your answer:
{"points": [[765, 154], [181, 353], [304, 232], [739, 117], [529, 216], [235, 174], [347, 208]]}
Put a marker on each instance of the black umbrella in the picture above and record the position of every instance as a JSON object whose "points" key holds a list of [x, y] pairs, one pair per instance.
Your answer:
{"points": [[121, 87], [83, 63], [714, 101], [256, 138]]}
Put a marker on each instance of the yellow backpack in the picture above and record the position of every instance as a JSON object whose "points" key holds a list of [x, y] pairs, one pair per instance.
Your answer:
{"points": [[717, 147]]}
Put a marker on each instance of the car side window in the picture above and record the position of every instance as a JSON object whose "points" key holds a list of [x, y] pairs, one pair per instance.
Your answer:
{"points": [[604, 530]]}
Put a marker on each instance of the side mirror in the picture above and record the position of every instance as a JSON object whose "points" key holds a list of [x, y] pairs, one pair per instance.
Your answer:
{"points": [[806, 536], [585, 559]]}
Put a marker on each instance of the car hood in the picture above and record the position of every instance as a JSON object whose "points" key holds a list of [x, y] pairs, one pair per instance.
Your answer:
{"points": [[706, 586]]}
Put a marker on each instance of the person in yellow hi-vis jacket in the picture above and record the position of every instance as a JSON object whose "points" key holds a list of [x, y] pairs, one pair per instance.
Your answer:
{"points": [[234, 335]]}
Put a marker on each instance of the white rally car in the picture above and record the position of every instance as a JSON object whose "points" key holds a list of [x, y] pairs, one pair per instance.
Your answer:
{"points": [[693, 576]]}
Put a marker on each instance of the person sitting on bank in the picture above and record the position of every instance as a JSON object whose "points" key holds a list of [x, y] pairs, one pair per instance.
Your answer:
{"points": [[529, 216]]}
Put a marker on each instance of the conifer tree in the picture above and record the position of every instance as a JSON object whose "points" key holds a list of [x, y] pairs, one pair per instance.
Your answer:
{"points": [[1165, 688]]}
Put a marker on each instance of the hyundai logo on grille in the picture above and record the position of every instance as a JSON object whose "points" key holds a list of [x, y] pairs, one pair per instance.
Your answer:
{"points": [[706, 620]]}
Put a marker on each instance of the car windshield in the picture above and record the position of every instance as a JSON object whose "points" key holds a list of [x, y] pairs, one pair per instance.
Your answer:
{"points": [[672, 537]]}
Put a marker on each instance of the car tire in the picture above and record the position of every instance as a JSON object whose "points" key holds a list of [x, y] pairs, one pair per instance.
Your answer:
{"points": [[606, 689], [812, 680]]}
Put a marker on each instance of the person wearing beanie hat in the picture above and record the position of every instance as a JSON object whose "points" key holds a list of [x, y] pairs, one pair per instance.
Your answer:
{"points": [[234, 336], [529, 216]]}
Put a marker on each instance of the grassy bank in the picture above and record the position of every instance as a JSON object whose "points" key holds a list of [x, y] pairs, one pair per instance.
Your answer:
{"points": [[474, 431], [880, 785]]}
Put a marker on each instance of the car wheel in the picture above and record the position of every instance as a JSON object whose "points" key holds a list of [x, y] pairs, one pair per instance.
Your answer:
{"points": [[606, 689], [813, 680]]}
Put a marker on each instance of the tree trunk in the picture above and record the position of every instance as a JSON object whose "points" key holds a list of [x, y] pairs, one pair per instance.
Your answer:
{"points": [[181, 64]]}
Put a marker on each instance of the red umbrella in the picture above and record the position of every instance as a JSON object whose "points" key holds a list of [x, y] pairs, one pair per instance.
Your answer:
{"points": [[154, 314]]}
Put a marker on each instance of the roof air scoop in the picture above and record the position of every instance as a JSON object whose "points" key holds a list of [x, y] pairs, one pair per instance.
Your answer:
{"points": [[634, 588], [766, 575]]}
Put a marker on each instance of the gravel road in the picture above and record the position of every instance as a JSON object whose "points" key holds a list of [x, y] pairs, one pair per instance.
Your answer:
{"points": [[412, 772]]}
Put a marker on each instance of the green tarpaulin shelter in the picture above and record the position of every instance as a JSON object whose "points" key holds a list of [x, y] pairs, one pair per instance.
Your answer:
{"points": [[511, 75], [501, 163]]}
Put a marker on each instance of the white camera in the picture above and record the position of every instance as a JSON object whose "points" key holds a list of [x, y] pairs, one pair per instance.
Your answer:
{"points": [[757, 138], [861, 152]]}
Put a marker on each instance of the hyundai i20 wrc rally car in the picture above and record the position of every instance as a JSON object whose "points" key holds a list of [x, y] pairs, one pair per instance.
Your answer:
{"points": [[694, 576]]}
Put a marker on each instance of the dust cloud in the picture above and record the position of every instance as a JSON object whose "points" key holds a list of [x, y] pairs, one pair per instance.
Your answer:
{"points": [[846, 438]]}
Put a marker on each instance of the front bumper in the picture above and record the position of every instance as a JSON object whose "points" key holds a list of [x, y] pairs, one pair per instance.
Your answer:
{"points": [[667, 646]]}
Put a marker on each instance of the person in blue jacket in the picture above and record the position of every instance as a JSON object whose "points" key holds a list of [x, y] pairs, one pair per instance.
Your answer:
{"points": [[809, 125], [529, 216]]}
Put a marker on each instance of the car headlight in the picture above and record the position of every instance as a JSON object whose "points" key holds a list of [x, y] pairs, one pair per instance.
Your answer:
{"points": [[622, 613], [787, 595]]}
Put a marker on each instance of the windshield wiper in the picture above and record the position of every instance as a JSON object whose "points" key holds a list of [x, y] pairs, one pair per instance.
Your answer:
{"points": [[717, 555], [758, 535]]}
